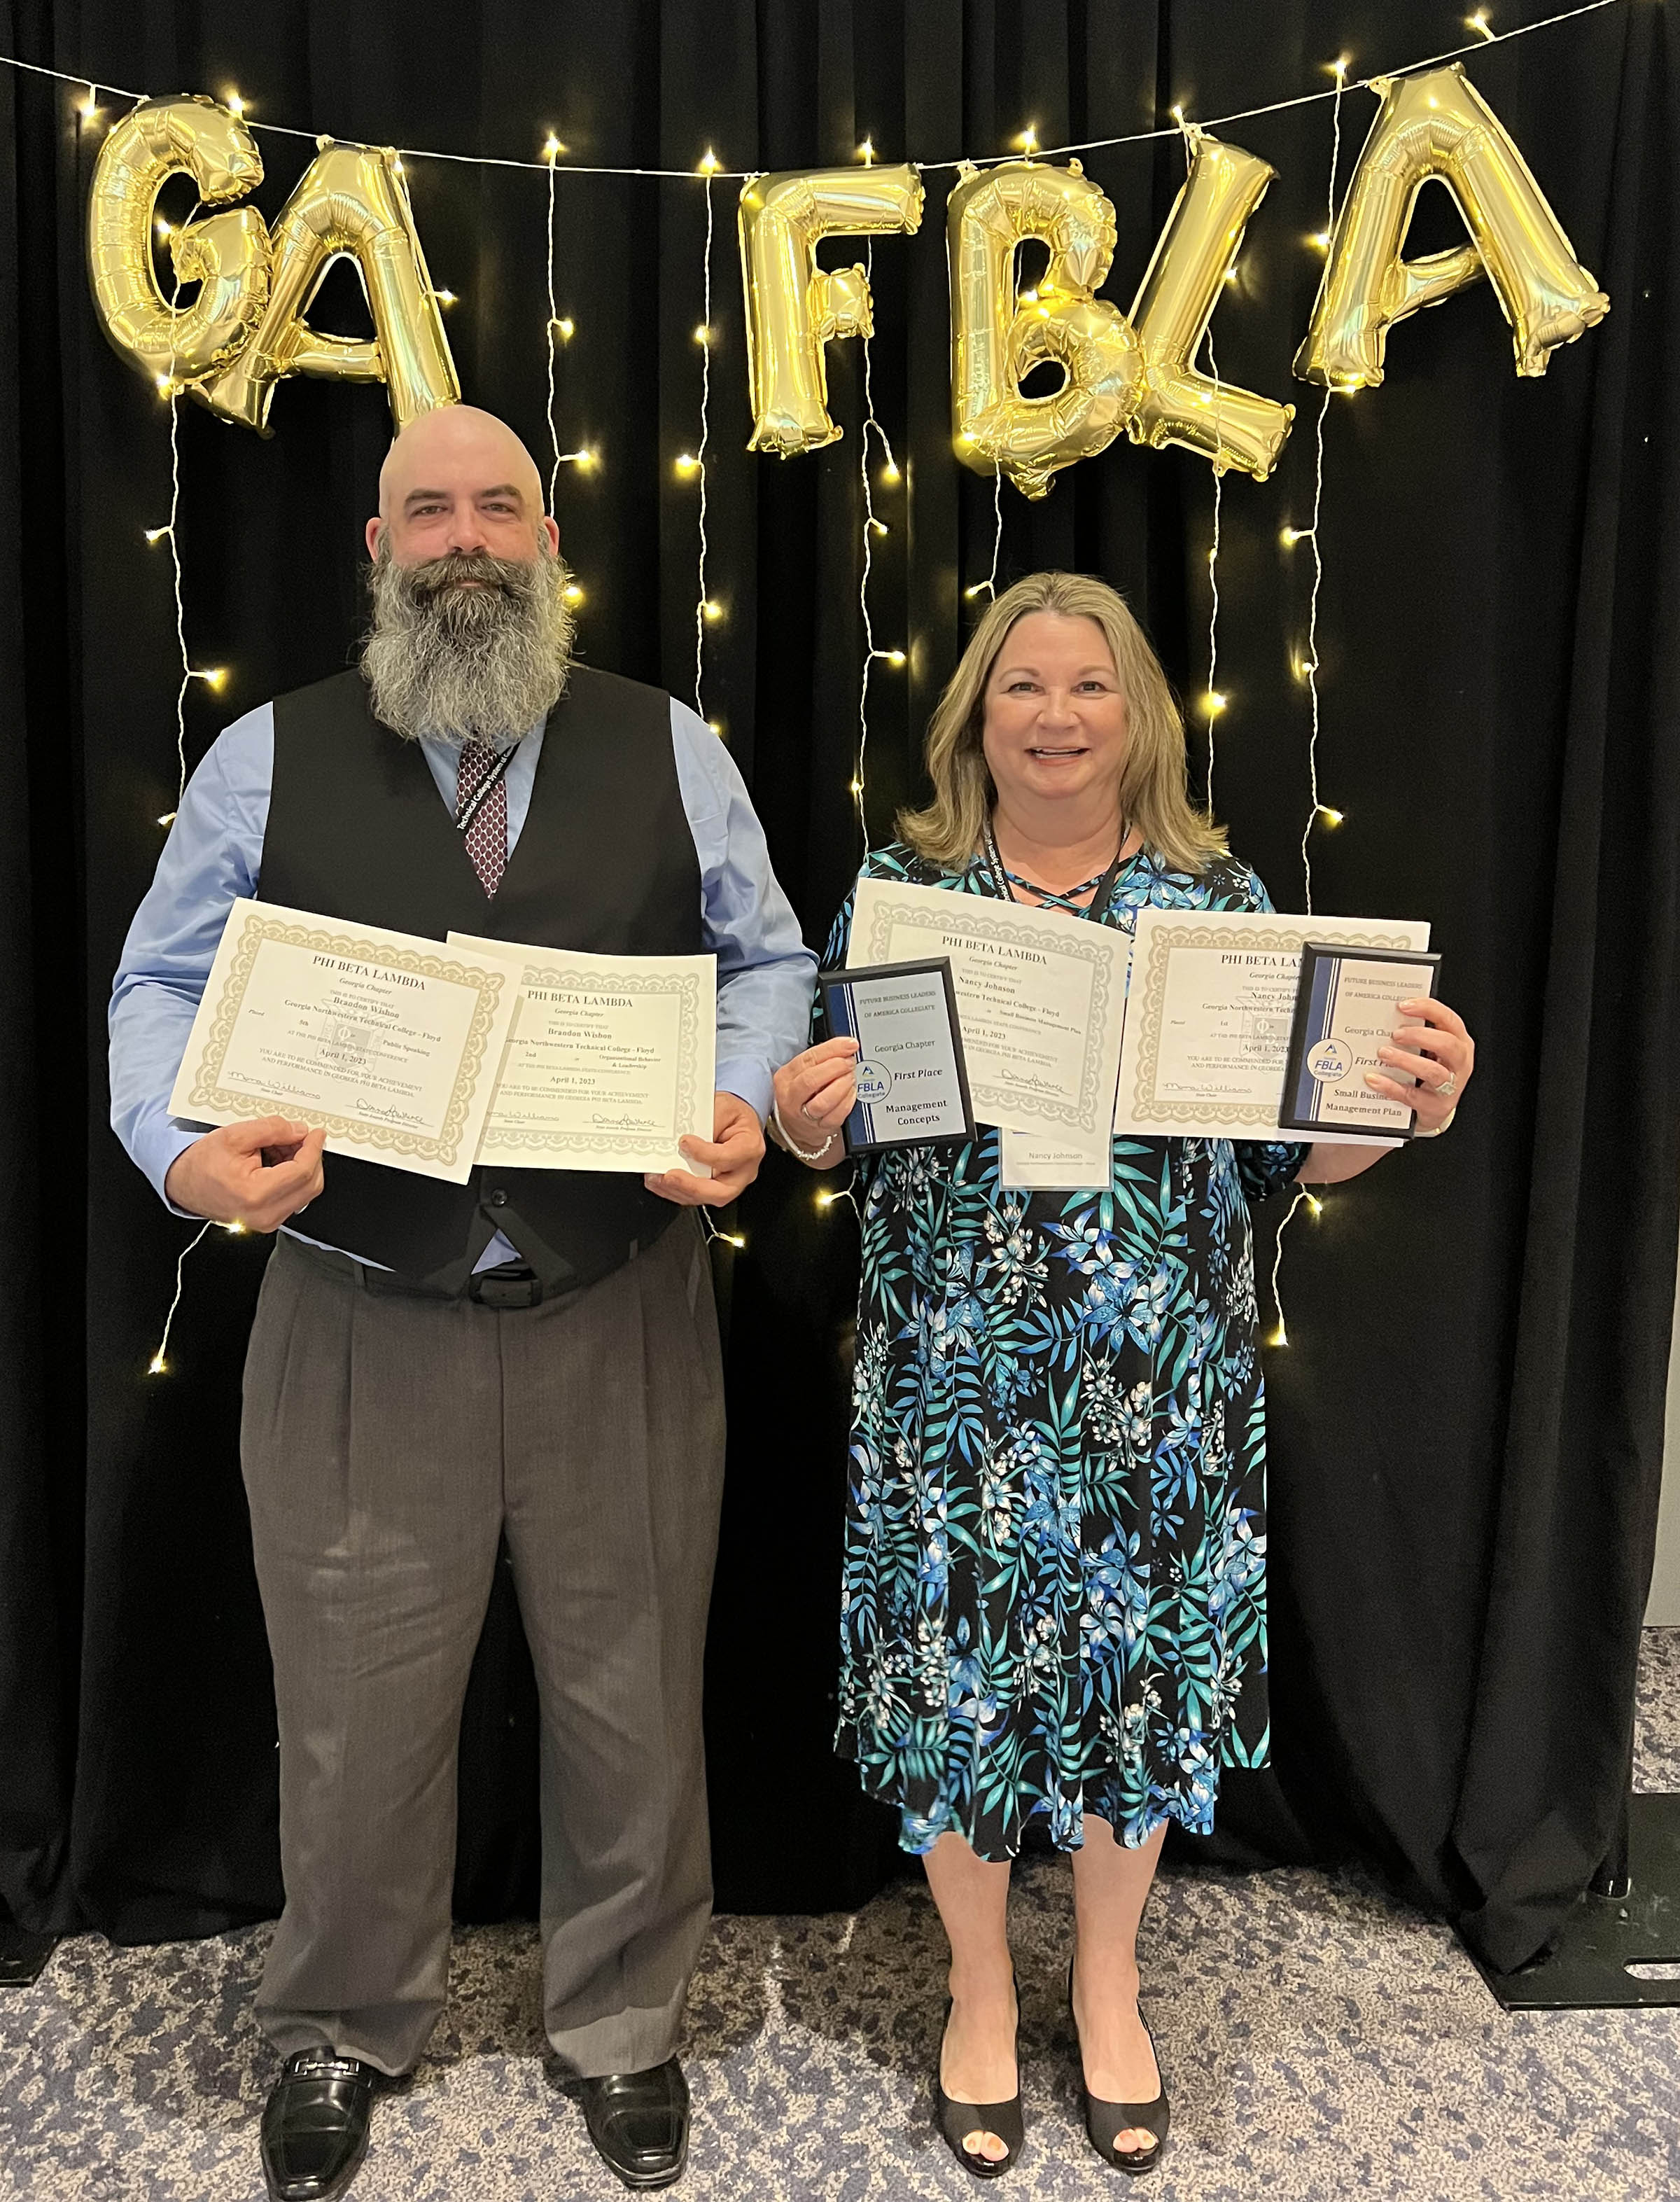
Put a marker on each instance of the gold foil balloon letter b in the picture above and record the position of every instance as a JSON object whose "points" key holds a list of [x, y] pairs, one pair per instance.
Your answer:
{"points": [[226, 255], [351, 203], [997, 338], [794, 307], [1438, 125]]}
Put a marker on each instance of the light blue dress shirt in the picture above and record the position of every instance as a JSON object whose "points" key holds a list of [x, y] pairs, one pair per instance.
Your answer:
{"points": [[214, 853]]}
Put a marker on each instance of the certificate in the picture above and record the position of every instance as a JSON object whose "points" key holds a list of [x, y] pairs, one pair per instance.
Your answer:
{"points": [[911, 1084], [1212, 1006], [1347, 1003], [389, 1041], [610, 1062], [1037, 1161], [1041, 997]]}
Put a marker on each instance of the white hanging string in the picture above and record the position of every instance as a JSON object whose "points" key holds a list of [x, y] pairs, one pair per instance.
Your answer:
{"points": [[1309, 665], [159, 1363], [1485, 39], [703, 337], [872, 528], [1280, 1335], [553, 334]]}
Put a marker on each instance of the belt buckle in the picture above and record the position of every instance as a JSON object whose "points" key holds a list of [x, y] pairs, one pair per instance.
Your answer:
{"points": [[500, 1293]]}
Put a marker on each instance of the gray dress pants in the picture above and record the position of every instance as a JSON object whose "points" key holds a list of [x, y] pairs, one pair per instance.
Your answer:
{"points": [[388, 1442]]}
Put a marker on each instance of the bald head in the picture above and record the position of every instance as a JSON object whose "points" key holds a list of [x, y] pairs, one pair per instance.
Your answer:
{"points": [[454, 481]]}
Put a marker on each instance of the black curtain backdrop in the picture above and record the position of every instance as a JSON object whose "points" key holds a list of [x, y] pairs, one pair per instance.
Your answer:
{"points": [[1466, 1424]]}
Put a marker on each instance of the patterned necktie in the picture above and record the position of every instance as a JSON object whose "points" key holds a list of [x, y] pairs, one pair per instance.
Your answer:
{"points": [[486, 838]]}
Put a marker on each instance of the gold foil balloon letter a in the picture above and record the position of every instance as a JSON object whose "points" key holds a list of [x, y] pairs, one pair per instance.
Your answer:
{"points": [[1185, 280], [997, 338], [226, 256], [794, 307], [351, 203], [1439, 125]]}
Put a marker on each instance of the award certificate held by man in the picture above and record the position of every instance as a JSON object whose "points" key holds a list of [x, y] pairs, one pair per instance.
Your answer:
{"points": [[1209, 1014], [610, 1062], [1041, 996], [390, 1041]]}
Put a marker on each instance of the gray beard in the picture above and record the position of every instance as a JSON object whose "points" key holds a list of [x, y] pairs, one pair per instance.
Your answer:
{"points": [[487, 664]]}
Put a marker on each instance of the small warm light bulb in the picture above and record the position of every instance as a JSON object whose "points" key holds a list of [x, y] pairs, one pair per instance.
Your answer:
{"points": [[1320, 240], [1230, 274], [895, 657], [716, 727], [166, 388], [826, 1199], [164, 228], [1279, 1337], [711, 609], [879, 527], [573, 593], [866, 152], [157, 1365], [703, 335], [890, 472], [234, 1230], [857, 787], [1213, 703], [978, 589], [156, 534], [585, 460], [212, 675], [444, 298], [89, 109], [686, 462], [233, 104], [167, 818], [709, 164], [1331, 817], [1315, 1204], [1028, 140], [1289, 536], [1478, 22], [731, 1238], [552, 148], [564, 327], [1338, 67], [397, 166]]}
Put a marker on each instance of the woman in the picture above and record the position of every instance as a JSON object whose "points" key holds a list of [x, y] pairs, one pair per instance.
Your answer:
{"points": [[1054, 1581]]}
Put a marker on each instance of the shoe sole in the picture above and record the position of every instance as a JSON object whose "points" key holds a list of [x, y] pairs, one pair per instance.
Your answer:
{"points": [[645, 2181]]}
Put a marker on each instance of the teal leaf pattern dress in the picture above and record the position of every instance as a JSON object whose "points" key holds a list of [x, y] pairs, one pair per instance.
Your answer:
{"points": [[1054, 1596]]}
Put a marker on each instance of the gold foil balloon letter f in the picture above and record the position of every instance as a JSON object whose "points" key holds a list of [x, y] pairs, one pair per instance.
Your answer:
{"points": [[794, 307]]}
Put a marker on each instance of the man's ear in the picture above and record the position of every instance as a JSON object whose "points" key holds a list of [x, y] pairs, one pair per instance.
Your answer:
{"points": [[545, 526], [376, 527]]}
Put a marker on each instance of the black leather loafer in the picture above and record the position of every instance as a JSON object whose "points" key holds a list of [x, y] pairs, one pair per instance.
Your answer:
{"points": [[639, 2121], [315, 2126]]}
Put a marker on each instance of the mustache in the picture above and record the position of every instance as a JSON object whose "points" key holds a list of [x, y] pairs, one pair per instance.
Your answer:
{"points": [[434, 577]]}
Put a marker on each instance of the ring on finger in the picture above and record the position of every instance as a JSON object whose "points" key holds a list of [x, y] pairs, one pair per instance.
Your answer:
{"points": [[1448, 1086]]}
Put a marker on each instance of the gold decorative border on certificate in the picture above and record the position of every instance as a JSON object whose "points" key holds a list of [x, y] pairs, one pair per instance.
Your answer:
{"points": [[591, 980], [488, 980], [1144, 1106], [1086, 1113]]}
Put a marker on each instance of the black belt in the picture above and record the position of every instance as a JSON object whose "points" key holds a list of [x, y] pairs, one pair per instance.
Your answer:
{"points": [[508, 1284]]}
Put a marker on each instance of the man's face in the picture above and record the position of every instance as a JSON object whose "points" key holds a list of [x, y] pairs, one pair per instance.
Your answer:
{"points": [[461, 501]]}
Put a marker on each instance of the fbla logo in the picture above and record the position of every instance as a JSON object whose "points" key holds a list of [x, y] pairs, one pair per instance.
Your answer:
{"points": [[1328, 1062], [874, 1082]]}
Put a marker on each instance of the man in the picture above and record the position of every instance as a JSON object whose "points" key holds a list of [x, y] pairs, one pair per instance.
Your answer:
{"points": [[433, 1365]]}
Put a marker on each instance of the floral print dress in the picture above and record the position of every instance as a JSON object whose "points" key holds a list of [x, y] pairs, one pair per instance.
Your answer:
{"points": [[1054, 1588]]}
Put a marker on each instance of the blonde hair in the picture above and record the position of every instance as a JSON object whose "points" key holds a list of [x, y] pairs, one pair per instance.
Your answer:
{"points": [[1152, 793]]}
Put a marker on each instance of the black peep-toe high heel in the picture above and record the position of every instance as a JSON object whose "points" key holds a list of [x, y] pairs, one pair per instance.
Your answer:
{"points": [[956, 2121], [1105, 2121]]}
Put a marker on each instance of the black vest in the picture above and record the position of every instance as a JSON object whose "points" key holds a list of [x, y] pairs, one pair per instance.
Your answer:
{"points": [[605, 861]]}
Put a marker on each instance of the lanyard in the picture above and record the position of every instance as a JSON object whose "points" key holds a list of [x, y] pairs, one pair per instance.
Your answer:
{"points": [[1097, 907], [485, 788]]}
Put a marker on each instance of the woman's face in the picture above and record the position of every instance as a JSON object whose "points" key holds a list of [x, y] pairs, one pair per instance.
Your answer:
{"points": [[1056, 720]]}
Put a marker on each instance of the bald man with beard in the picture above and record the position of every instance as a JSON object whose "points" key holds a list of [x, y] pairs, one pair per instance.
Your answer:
{"points": [[433, 1368]]}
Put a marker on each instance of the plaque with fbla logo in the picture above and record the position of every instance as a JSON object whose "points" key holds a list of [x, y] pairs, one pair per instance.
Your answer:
{"points": [[1347, 1007], [912, 1081]]}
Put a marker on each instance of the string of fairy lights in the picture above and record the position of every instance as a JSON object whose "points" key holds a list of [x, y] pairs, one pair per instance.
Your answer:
{"points": [[560, 329]]}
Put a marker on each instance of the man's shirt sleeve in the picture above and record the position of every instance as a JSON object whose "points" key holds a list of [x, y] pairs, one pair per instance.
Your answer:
{"points": [[766, 973], [214, 853]]}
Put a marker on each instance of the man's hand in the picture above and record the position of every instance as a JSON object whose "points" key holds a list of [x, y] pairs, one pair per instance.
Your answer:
{"points": [[733, 1154], [257, 1173]]}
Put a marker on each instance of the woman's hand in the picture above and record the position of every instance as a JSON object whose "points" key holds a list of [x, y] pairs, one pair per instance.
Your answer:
{"points": [[815, 1095], [1432, 1046]]}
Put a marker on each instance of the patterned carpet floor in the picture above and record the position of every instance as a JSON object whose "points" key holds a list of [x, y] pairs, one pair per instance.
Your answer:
{"points": [[1353, 2051]]}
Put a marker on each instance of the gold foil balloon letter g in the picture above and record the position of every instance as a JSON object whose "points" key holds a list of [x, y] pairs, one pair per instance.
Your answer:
{"points": [[794, 307]]}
